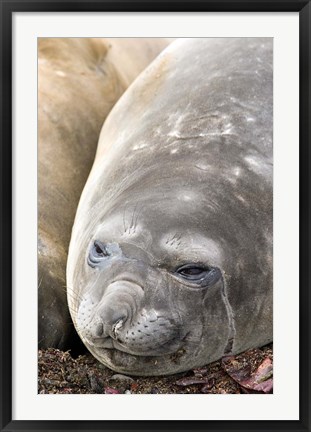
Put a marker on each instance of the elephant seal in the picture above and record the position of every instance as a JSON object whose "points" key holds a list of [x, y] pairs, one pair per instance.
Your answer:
{"points": [[79, 80], [170, 260]]}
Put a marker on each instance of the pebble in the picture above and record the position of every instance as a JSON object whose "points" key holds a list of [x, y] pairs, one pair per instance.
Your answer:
{"points": [[119, 377]]}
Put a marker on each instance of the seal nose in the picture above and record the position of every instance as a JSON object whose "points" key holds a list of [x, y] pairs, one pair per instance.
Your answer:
{"points": [[109, 321], [117, 307]]}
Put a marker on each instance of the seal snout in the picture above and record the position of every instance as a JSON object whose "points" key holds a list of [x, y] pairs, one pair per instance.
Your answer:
{"points": [[123, 321], [117, 307]]}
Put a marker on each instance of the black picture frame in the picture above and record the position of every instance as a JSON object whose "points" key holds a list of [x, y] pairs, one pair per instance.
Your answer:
{"points": [[7, 9]]}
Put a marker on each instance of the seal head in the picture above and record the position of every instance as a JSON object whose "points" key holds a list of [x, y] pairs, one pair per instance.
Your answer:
{"points": [[140, 305], [170, 261]]}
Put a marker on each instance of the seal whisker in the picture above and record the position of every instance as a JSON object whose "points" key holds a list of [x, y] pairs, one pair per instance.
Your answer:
{"points": [[72, 294], [74, 297], [133, 216], [138, 213], [124, 226]]}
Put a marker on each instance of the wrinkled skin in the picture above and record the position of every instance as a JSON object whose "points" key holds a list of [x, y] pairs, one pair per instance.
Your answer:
{"points": [[79, 82], [170, 260]]}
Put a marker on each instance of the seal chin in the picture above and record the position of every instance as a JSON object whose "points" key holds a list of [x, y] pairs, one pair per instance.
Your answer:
{"points": [[124, 362], [101, 345]]}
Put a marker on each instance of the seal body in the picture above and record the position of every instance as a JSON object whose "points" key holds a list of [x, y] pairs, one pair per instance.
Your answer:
{"points": [[170, 260], [79, 82]]}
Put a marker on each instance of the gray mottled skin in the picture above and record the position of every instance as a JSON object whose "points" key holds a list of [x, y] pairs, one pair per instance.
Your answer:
{"points": [[182, 175]]}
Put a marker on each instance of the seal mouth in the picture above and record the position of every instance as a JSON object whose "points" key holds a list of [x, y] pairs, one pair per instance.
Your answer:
{"points": [[112, 351], [166, 348], [108, 344]]}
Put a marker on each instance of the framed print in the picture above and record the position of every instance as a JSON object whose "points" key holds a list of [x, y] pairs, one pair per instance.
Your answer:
{"points": [[270, 39]]}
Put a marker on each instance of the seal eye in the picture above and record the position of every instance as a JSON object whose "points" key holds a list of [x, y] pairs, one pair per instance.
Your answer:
{"points": [[192, 272], [97, 253], [99, 249], [199, 274]]}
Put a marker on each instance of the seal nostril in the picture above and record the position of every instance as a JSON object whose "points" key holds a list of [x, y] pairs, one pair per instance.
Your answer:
{"points": [[99, 330], [115, 328]]}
